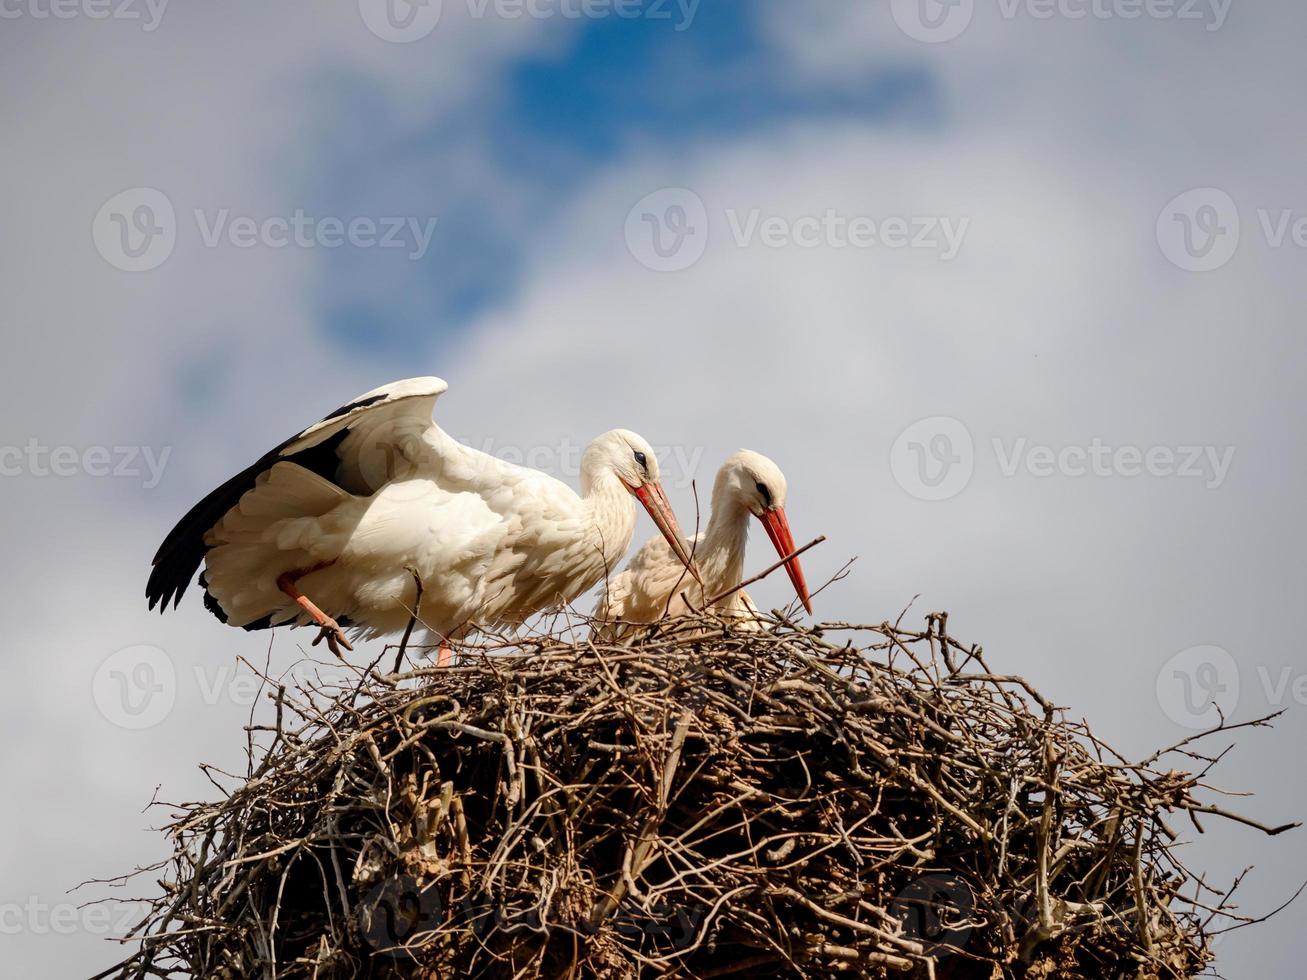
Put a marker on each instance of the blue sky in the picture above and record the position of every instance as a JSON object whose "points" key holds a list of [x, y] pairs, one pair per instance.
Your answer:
{"points": [[602, 90]]}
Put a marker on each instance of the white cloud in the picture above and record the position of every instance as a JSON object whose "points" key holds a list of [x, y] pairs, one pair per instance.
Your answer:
{"points": [[1059, 321]]}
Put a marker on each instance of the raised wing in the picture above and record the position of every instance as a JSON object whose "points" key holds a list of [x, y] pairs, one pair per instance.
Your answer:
{"points": [[383, 435]]}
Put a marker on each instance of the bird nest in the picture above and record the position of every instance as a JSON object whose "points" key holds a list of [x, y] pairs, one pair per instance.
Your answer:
{"points": [[703, 802]]}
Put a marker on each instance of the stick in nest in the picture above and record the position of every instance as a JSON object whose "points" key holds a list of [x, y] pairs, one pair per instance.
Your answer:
{"points": [[700, 803]]}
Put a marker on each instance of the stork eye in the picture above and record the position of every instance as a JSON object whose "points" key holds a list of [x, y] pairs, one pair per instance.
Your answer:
{"points": [[640, 458], [764, 493]]}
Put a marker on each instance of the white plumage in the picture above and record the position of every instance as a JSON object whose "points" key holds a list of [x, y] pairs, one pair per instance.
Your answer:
{"points": [[651, 586], [334, 525]]}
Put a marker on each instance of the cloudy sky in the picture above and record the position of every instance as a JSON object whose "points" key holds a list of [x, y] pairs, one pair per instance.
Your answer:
{"points": [[1012, 291]]}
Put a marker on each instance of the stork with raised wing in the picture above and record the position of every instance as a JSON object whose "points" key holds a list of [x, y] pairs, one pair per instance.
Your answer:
{"points": [[748, 485], [375, 513]]}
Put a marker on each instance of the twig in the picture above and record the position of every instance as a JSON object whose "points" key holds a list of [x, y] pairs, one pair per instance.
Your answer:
{"points": [[764, 573]]}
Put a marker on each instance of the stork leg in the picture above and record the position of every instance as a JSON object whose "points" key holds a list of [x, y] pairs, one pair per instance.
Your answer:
{"points": [[330, 629]]}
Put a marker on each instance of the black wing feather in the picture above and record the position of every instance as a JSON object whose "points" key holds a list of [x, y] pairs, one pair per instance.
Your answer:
{"points": [[183, 549]]}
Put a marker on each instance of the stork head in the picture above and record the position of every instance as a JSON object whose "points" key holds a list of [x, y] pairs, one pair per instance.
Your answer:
{"points": [[632, 460], [754, 482]]}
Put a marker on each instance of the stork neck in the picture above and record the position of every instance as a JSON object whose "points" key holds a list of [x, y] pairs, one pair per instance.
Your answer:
{"points": [[612, 511], [721, 556]]}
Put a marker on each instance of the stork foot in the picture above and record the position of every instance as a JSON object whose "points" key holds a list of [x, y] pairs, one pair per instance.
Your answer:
{"points": [[331, 632], [445, 658], [330, 629]]}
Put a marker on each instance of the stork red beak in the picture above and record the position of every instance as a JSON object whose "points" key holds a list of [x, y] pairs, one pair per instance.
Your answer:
{"points": [[655, 502], [778, 529]]}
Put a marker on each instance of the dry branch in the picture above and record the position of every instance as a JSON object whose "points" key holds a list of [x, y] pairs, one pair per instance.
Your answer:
{"points": [[701, 802]]}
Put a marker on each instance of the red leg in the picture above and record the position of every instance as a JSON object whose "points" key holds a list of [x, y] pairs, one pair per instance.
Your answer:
{"points": [[446, 655], [331, 630]]}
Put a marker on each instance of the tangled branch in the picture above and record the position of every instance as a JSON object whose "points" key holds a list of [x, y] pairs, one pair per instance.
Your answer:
{"points": [[701, 802]]}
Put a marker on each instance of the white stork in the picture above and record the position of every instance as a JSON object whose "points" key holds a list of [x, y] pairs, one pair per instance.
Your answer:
{"points": [[747, 485], [339, 524]]}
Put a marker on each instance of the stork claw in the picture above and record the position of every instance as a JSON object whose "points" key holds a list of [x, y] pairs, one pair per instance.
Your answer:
{"points": [[330, 629], [331, 632]]}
